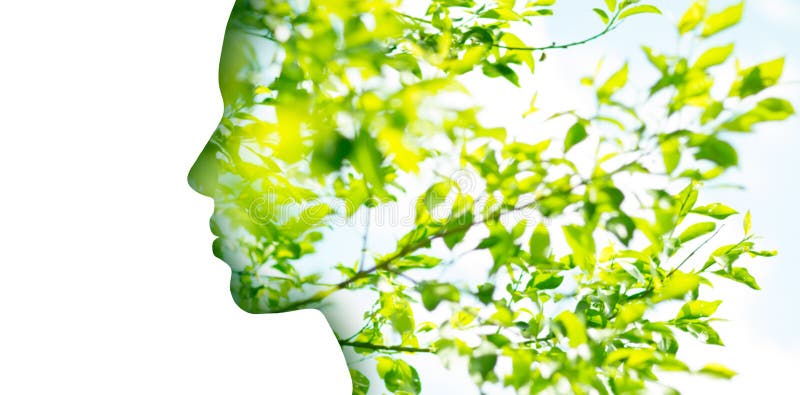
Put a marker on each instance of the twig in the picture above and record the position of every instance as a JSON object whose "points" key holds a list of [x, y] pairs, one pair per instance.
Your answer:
{"points": [[379, 347]]}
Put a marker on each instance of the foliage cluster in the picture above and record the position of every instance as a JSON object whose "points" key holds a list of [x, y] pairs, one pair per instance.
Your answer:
{"points": [[335, 100]]}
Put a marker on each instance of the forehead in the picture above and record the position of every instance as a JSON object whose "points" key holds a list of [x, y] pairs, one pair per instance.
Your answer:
{"points": [[302, 40]]}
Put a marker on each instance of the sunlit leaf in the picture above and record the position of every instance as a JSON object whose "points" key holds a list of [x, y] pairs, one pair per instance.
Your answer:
{"points": [[692, 17], [720, 21], [753, 80], [772, 109], [716, 210], [696, 231], [575, 135], [697, 309], [713, 57], [717, 370], [639, 9]]}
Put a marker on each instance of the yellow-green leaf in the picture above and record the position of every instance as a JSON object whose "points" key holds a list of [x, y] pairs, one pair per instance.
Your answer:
{"points": [[748, 223], [692, 17], [722, 20], [614, 83], [696, 231], [697, 309], [715, 210], [717, 370], [670, 150], [574, 328], [755, 79], [713, 57], [639, 9]]}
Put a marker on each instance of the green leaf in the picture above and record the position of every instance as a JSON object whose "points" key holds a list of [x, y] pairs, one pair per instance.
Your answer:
{"points": [[659, 61], [433, 293], [629, 313], [367, 159], [720, 21], [398, 376], [540, 245], [670, 151], [677, 286], [500, 70], [718, 371], [503, 14], [532, 107], [482, 365], [526, 57], [713, 57], [740, 275], [612, 5], [574, 328], [715, 210], [639, 9], [697, 309], [718, 151], [398, 311], [545, 281], [417, 262], [614, 83], [575, 135], [360, 382], [703, 331], [582, 244], [748, 223], [602, 14], [485, 293], [711, 112], [772, 109], [692, 17], [696, 231], [753, 80]]}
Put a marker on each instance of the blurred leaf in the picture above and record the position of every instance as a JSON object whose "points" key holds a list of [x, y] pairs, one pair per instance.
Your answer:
{"points": [[718, 371], [717, 151], [713, 57], [766, 110], [670, 150], [574, 328], [614, 83], [753, 80], [748, 223], [433, 293], [677, 286], [692, 17], [718, 22]]}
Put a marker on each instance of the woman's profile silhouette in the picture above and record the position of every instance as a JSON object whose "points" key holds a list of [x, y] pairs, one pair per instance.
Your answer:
{"points": [[531, 257]]}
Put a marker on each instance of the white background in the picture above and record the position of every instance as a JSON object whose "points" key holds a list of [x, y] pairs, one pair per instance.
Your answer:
{"points": [[107, 282]]}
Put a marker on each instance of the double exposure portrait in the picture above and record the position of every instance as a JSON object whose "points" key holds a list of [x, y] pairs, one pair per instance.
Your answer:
{"points": [[524, 194]]}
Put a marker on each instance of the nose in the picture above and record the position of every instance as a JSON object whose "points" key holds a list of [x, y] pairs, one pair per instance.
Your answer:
{"points": [[204, 175]]}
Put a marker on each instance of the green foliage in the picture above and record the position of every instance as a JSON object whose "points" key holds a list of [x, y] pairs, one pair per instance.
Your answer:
{"points": [[332, 106]]}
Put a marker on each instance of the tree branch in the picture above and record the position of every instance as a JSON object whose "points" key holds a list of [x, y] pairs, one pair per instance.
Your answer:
{"points": [[379, 347]]}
